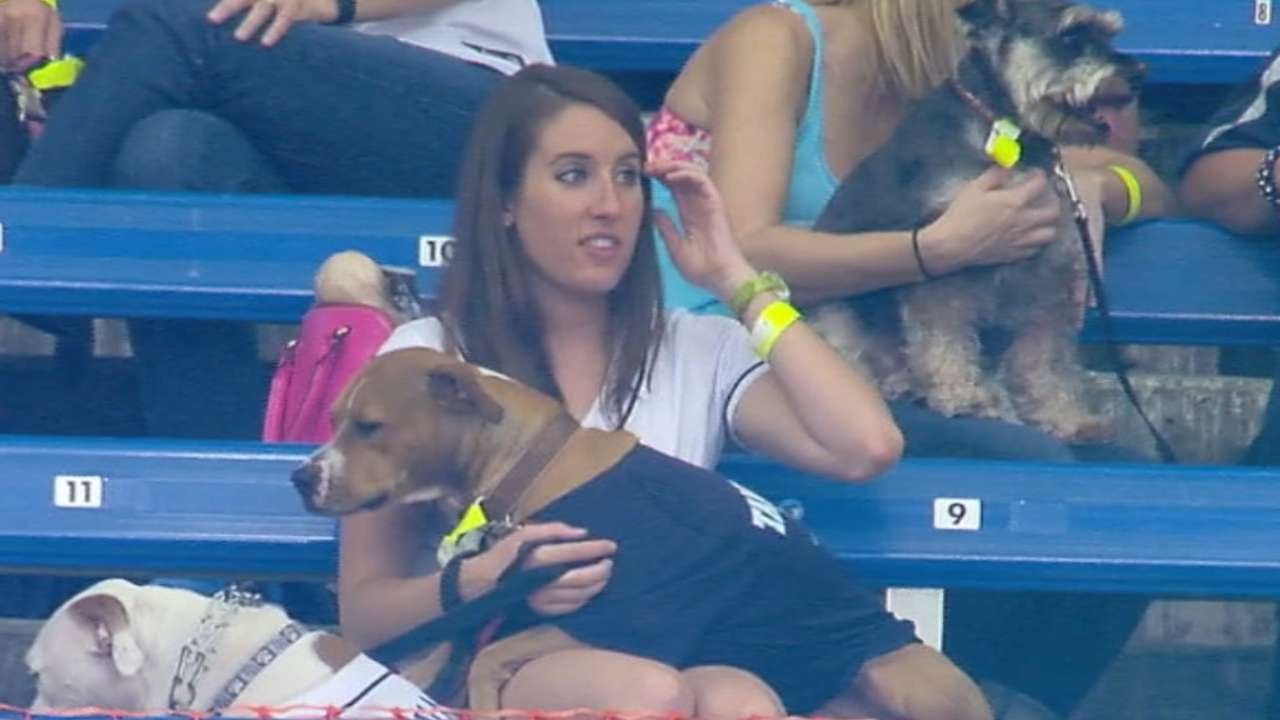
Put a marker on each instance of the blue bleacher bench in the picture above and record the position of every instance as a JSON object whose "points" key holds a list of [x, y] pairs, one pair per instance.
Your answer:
{"points": [[117, 254], [249, 257], [228, 509], [1182, 41], [113, 253]]}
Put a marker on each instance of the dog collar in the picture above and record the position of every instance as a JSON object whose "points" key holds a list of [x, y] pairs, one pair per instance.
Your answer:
{"points": [[193, 660], [500, 503], [1002, 144], [257, 662]]}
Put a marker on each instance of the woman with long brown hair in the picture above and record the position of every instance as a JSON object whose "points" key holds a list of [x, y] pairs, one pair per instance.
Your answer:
{"points": [[556, 283]]}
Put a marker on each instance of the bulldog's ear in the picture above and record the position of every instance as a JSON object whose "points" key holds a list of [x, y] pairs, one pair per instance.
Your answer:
{"points": [[455, 388], [96, 622]]}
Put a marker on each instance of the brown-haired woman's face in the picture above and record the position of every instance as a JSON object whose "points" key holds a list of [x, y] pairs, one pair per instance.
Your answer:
{"points": [[578, 208]]}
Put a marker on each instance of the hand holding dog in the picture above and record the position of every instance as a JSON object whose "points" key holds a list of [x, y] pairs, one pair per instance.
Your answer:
{"points": [[561, 544], [706, 253], [991, 222]]}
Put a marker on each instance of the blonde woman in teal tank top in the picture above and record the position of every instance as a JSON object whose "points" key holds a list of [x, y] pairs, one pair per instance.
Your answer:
{"points": [[788, 97], [811, 182]]}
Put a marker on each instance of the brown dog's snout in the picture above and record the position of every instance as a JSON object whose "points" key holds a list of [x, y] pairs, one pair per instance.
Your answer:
{"points": [[306, 479]]}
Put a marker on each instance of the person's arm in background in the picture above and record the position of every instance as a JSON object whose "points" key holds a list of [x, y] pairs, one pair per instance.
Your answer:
{"points": [[1157, 199], [269, 20], [1221, 182], [757, 88], [30, 32], [1223, 187], [1120, 147]]}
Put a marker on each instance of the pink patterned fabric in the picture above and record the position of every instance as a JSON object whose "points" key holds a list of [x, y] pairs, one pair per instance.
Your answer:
{"points": [[671, 138]]}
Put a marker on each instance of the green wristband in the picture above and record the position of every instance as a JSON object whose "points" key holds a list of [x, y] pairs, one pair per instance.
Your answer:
{"points": [[766, 281]]}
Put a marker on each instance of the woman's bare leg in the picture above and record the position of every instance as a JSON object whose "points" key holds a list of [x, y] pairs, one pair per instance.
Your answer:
{"points": [[727, 693], [600, 680]]}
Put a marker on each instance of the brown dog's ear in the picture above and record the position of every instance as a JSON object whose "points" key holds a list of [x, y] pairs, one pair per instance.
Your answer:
{"points": [[455, 388], [98, 621]]}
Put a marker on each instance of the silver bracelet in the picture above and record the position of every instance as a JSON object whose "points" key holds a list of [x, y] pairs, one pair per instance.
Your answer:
{"points": [[1267, 177]]}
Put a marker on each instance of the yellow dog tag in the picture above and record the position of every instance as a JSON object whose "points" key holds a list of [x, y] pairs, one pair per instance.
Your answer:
{"points": [[1002, 143], [472, 518], [55, 74]]}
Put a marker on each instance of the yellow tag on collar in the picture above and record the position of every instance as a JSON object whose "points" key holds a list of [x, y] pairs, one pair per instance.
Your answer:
{"points": [[1002, 143], [56, 74], [472, 518]]}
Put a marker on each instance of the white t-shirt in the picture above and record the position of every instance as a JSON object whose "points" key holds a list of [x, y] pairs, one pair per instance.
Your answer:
{"points": [[504, 35], [700, 374], [362, 689]]}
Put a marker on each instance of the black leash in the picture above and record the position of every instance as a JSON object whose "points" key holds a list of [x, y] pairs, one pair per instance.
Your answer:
{"points": [[1104, 310], [513, 586]]}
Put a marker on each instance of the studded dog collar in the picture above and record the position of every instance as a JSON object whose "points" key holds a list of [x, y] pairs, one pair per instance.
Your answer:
{"points": [[193, 660]]}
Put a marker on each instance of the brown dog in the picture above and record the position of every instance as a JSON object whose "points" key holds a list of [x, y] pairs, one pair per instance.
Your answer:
{"points": [[706, 573]]}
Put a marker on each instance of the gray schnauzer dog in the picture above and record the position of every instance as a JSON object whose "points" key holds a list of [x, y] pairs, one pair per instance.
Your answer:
{"points": [[995, 341]]}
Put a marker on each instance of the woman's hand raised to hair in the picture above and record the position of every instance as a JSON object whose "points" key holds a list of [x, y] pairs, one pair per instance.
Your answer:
{"points": [[706, 253], [991, 222], [558, 544]]}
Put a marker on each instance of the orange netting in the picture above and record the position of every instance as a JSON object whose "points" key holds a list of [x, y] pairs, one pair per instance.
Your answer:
{"points": [[330, 712]]}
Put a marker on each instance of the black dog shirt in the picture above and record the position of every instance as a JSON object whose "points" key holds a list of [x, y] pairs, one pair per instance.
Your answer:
{"points": [[709, 573]]}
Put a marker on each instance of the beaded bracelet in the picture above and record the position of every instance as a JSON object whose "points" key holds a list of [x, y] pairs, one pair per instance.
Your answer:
{"points": [[1267, 177]]}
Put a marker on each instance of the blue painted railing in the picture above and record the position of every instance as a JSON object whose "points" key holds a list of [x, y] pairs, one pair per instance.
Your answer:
{"points": [[229, 510]]}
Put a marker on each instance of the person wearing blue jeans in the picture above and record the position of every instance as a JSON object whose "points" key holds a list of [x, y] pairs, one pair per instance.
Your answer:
{"points": [[250, 96]]}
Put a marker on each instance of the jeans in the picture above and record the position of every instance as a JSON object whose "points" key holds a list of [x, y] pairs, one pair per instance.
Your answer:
{"points": [[171, 102], [1053, 646], [181, 361], [332, 110]]}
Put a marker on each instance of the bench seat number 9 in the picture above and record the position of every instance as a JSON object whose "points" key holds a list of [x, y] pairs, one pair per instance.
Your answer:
{"points": [[957, 514]]}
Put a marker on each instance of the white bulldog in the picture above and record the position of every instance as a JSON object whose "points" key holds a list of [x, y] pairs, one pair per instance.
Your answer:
{"points": [[157, 649]]}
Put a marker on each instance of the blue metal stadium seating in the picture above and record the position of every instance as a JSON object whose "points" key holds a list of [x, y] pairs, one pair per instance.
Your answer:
{"points": [[180, 509], [182, 255], [189, 255]]}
